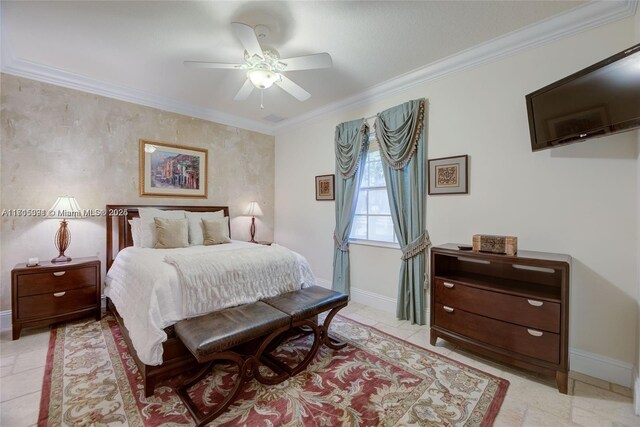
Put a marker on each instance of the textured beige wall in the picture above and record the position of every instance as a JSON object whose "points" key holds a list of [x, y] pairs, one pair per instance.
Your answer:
{"points": [[59, 141]]}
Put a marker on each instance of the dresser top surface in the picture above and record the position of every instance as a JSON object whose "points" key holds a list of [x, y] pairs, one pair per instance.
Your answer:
{"points": [[452, 248], [48, 265]]}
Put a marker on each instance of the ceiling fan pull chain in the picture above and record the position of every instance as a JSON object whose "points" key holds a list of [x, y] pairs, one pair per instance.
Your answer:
{"points": [[262, 99]]}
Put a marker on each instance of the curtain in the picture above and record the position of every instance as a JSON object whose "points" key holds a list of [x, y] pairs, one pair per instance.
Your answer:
{"points": [[399, 131], [352, 143]]}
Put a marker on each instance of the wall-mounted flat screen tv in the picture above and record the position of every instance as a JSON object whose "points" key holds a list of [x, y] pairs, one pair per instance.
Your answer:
{"points": [[600, 100]]}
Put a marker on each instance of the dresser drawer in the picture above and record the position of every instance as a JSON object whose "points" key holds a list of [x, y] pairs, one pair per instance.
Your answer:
{"points": [[527, 341], [532, 313], [55, 281], [54, 304]]}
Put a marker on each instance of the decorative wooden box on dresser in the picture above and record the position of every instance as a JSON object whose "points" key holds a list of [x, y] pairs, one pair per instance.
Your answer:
{"points": [[50, 293], [511, 308]]}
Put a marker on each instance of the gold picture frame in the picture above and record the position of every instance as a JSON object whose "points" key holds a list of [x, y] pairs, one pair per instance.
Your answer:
{"points": [[170, 170]]}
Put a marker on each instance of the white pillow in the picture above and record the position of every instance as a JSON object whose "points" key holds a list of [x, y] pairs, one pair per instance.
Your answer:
{"points": [[148, 238], [195, 224], [148, 214], [136, 231]]}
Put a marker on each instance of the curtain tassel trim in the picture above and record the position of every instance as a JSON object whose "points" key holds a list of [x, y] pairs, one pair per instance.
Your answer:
{"points": [[417, 133], [417, 246], [340, 245]]}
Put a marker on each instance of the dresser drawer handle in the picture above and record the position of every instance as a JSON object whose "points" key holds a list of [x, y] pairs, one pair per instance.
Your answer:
{"points": [[534, 332], [447, 309], [59, 294], [448, 285], [59, 273], [535, 303]]}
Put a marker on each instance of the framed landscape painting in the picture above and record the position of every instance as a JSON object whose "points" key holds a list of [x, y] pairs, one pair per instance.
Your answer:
{"points": [[168, 170], [448, 175]]}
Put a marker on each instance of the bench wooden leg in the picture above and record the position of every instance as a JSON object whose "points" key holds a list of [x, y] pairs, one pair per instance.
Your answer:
{"points": [[246, 370], [328, 340]]}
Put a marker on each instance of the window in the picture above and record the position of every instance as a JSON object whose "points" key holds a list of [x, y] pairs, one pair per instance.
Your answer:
{"points": [[372, 220]]}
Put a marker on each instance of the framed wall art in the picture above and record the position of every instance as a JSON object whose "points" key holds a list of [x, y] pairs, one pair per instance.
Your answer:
{"points": [[448, 175], [168, 170], [325, 187]]}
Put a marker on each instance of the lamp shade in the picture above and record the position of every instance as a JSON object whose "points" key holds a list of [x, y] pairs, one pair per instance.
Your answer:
{"points": [[65, 207], [254, 209]]}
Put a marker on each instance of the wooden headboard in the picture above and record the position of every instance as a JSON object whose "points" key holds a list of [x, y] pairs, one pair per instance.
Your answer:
{"points": [[121, 214]]}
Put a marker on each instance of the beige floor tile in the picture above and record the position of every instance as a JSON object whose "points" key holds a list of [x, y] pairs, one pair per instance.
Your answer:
{"points": [[605, 403], [589, 379], [5, 370], [7, 360], [511, 413], [625, 391], [352, 307], [391, 330], [589, 419], [17, 385], [31, 339], [538, 418], [381, 316], [30, 360], [358, 318], [21, 411], [539, 395]]}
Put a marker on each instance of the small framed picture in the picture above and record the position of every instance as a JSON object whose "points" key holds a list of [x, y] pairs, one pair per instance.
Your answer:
{"points": [[169, 170], [325, 186], [448, 175]]}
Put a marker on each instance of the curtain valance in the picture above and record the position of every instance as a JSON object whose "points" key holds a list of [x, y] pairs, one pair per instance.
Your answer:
{"points": [[398, 130], [350, 138]]}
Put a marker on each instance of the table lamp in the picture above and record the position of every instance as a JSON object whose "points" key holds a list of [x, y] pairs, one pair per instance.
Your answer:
{"points": [[253, 211], [65, 207]]}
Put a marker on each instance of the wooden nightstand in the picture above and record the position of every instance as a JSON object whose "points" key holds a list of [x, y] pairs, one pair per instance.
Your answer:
{"points": [[50, 293]]}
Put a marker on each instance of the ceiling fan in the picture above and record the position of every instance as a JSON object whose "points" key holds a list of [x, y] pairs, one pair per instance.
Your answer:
{"points": [[264, 67]]}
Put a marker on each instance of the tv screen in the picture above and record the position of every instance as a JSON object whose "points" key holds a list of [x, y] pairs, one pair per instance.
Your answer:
{"points": [[599, 100]]}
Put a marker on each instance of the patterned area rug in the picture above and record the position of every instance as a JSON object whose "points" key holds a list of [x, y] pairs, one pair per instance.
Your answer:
{"points": [[377, 380]]}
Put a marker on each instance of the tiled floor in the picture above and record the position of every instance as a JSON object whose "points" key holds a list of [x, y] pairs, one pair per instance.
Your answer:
{"points": [[530, 401]]}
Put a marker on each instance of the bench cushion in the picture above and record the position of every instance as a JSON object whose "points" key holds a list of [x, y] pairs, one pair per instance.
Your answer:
{"points": [[307, 302], [221, 330]]}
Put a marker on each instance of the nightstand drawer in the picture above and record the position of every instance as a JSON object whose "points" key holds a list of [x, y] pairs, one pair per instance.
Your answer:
{"points": [[529, 312], [56, 280], [53, 304]]}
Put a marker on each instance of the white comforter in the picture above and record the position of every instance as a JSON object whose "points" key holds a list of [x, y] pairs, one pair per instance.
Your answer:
{"points": [[147, 292]]}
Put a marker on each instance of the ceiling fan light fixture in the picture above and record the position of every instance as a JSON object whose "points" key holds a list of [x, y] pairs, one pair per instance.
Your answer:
{"points": [[262, 78]]}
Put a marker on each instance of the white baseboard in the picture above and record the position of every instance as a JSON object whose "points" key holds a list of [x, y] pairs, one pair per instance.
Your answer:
{"points": [[603, 367], [369, 298], [5, 319]]}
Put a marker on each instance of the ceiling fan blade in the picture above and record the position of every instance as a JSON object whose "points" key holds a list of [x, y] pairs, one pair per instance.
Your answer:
{"points": [[291, 87], [201, 64], [248, 38], [244, 91], [308, 62]]}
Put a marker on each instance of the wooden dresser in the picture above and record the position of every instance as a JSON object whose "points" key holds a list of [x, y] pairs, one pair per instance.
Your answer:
{"points": [[511, 308], [50, 293]]}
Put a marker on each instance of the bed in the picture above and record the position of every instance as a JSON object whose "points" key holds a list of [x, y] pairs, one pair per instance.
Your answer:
{"points": [[141, 275]]}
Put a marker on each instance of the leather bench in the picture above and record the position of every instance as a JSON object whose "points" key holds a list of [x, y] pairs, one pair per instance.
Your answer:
{"points": [[246, 335]]}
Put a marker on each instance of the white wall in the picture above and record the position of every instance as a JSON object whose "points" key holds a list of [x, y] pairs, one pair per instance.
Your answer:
{"points": [[580, 199]]}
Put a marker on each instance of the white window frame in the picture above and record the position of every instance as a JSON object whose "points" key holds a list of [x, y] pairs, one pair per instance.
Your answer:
{"points": [[373, 146]]}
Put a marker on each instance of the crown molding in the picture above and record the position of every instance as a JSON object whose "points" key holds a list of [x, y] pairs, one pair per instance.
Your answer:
{"points": [[582, 18], [568, 23], [30, 70]]}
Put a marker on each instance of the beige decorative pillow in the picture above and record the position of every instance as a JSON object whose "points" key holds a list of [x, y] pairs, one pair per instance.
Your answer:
{"points": [[171, 233], [215, 231]]}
